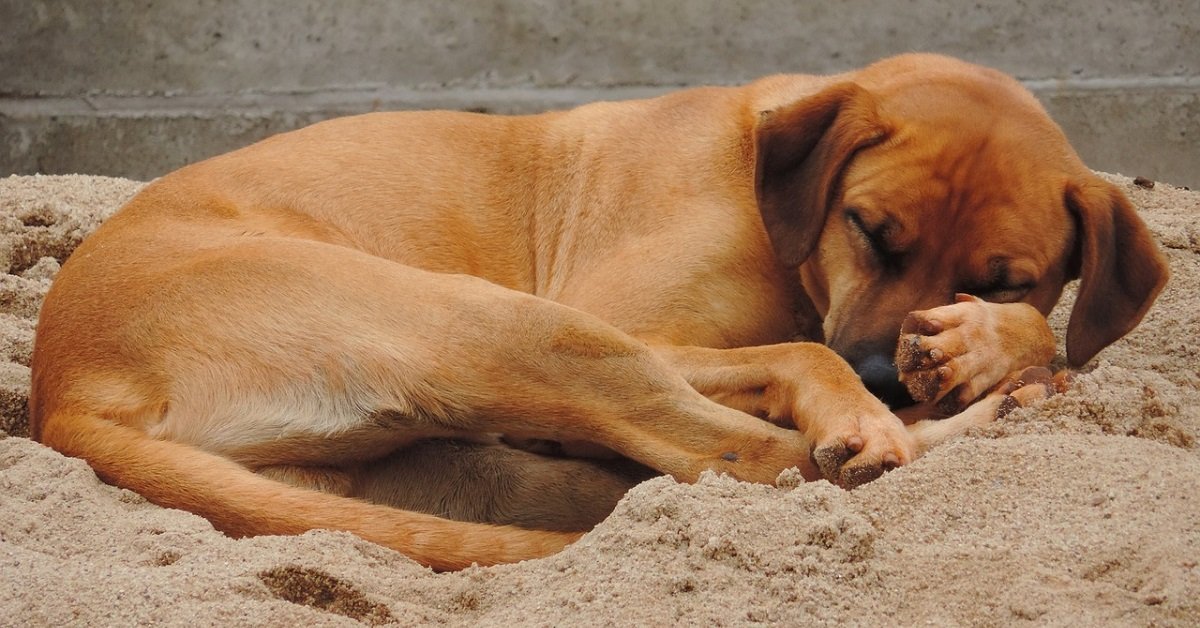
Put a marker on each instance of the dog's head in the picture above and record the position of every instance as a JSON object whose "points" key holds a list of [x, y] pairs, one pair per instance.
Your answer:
{"points": [[925, 177]]}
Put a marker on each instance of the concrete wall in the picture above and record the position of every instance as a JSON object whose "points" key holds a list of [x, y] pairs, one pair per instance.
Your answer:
{"points": [[139, 88]]}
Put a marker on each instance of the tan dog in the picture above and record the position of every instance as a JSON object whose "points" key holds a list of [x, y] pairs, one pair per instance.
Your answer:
{"points": [[319, 306]]}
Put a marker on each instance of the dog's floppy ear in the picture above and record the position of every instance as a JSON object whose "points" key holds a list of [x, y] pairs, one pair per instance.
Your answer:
{"points": [[1119, 266], [801, 150]]}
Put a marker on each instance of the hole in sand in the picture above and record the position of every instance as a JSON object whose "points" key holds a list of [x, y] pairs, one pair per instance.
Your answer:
{"points": [[166, 558], [315, 588]]}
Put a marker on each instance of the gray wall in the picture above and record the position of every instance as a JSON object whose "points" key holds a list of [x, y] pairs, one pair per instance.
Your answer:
{"points": [[139, 88]]}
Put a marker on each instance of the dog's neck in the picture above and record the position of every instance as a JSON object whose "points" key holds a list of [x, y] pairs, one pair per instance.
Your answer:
{"points": [[591, 203]]}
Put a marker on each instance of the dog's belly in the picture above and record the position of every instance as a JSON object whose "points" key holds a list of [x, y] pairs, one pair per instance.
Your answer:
{"points": [[313, 431]]}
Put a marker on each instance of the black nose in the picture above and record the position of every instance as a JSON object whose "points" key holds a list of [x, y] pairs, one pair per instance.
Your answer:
{"points": [[883, 380]]}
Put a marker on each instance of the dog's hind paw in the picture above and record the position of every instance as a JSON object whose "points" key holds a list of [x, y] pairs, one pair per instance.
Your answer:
{"points": [[1030, 386], [863, 450], [833, 459]]}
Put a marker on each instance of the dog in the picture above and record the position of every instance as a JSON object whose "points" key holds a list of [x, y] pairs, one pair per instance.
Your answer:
{"points": [[270, 338]]}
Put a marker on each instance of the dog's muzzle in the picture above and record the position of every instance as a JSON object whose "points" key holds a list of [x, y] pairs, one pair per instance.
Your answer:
{"points": [[880, 376]]}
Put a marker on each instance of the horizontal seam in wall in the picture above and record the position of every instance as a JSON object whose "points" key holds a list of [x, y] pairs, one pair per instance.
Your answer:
{"points": [[316, 100], [351, 98]]}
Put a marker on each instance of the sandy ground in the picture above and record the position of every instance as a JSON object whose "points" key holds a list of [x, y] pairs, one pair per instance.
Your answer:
{"points": [[1082, 511]]}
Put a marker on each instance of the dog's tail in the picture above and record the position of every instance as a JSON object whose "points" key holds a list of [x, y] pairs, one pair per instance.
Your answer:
{"points": [[241, 503]]}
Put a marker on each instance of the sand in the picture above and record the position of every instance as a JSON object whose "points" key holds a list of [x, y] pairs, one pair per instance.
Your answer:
{"points": [[1081, 511]]}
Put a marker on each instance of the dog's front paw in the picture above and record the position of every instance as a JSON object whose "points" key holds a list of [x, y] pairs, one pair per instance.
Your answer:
{"points": [[853, 451], [955, 353]]}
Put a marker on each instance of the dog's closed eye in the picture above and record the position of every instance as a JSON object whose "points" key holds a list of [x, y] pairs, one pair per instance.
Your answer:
{"points": [[1000, 285], [1003, 293], [876, 237]]}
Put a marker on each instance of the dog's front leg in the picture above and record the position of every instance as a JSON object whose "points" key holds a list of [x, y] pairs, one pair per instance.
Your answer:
{"points": [[972, 362], [954, 354], [854, 437], [545, 371]]}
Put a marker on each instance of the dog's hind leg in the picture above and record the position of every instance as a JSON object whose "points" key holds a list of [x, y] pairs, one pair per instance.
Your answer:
{"points": [[494, 483], [482, 482], [272, 351], [296, 352]]}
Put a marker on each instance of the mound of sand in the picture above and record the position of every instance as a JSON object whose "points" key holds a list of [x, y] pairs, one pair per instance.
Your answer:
{"points": [[1082, 511]]}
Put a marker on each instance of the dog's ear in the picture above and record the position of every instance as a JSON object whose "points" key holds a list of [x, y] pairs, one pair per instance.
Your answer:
{"points": [[801, 150], [1119, 266]]}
